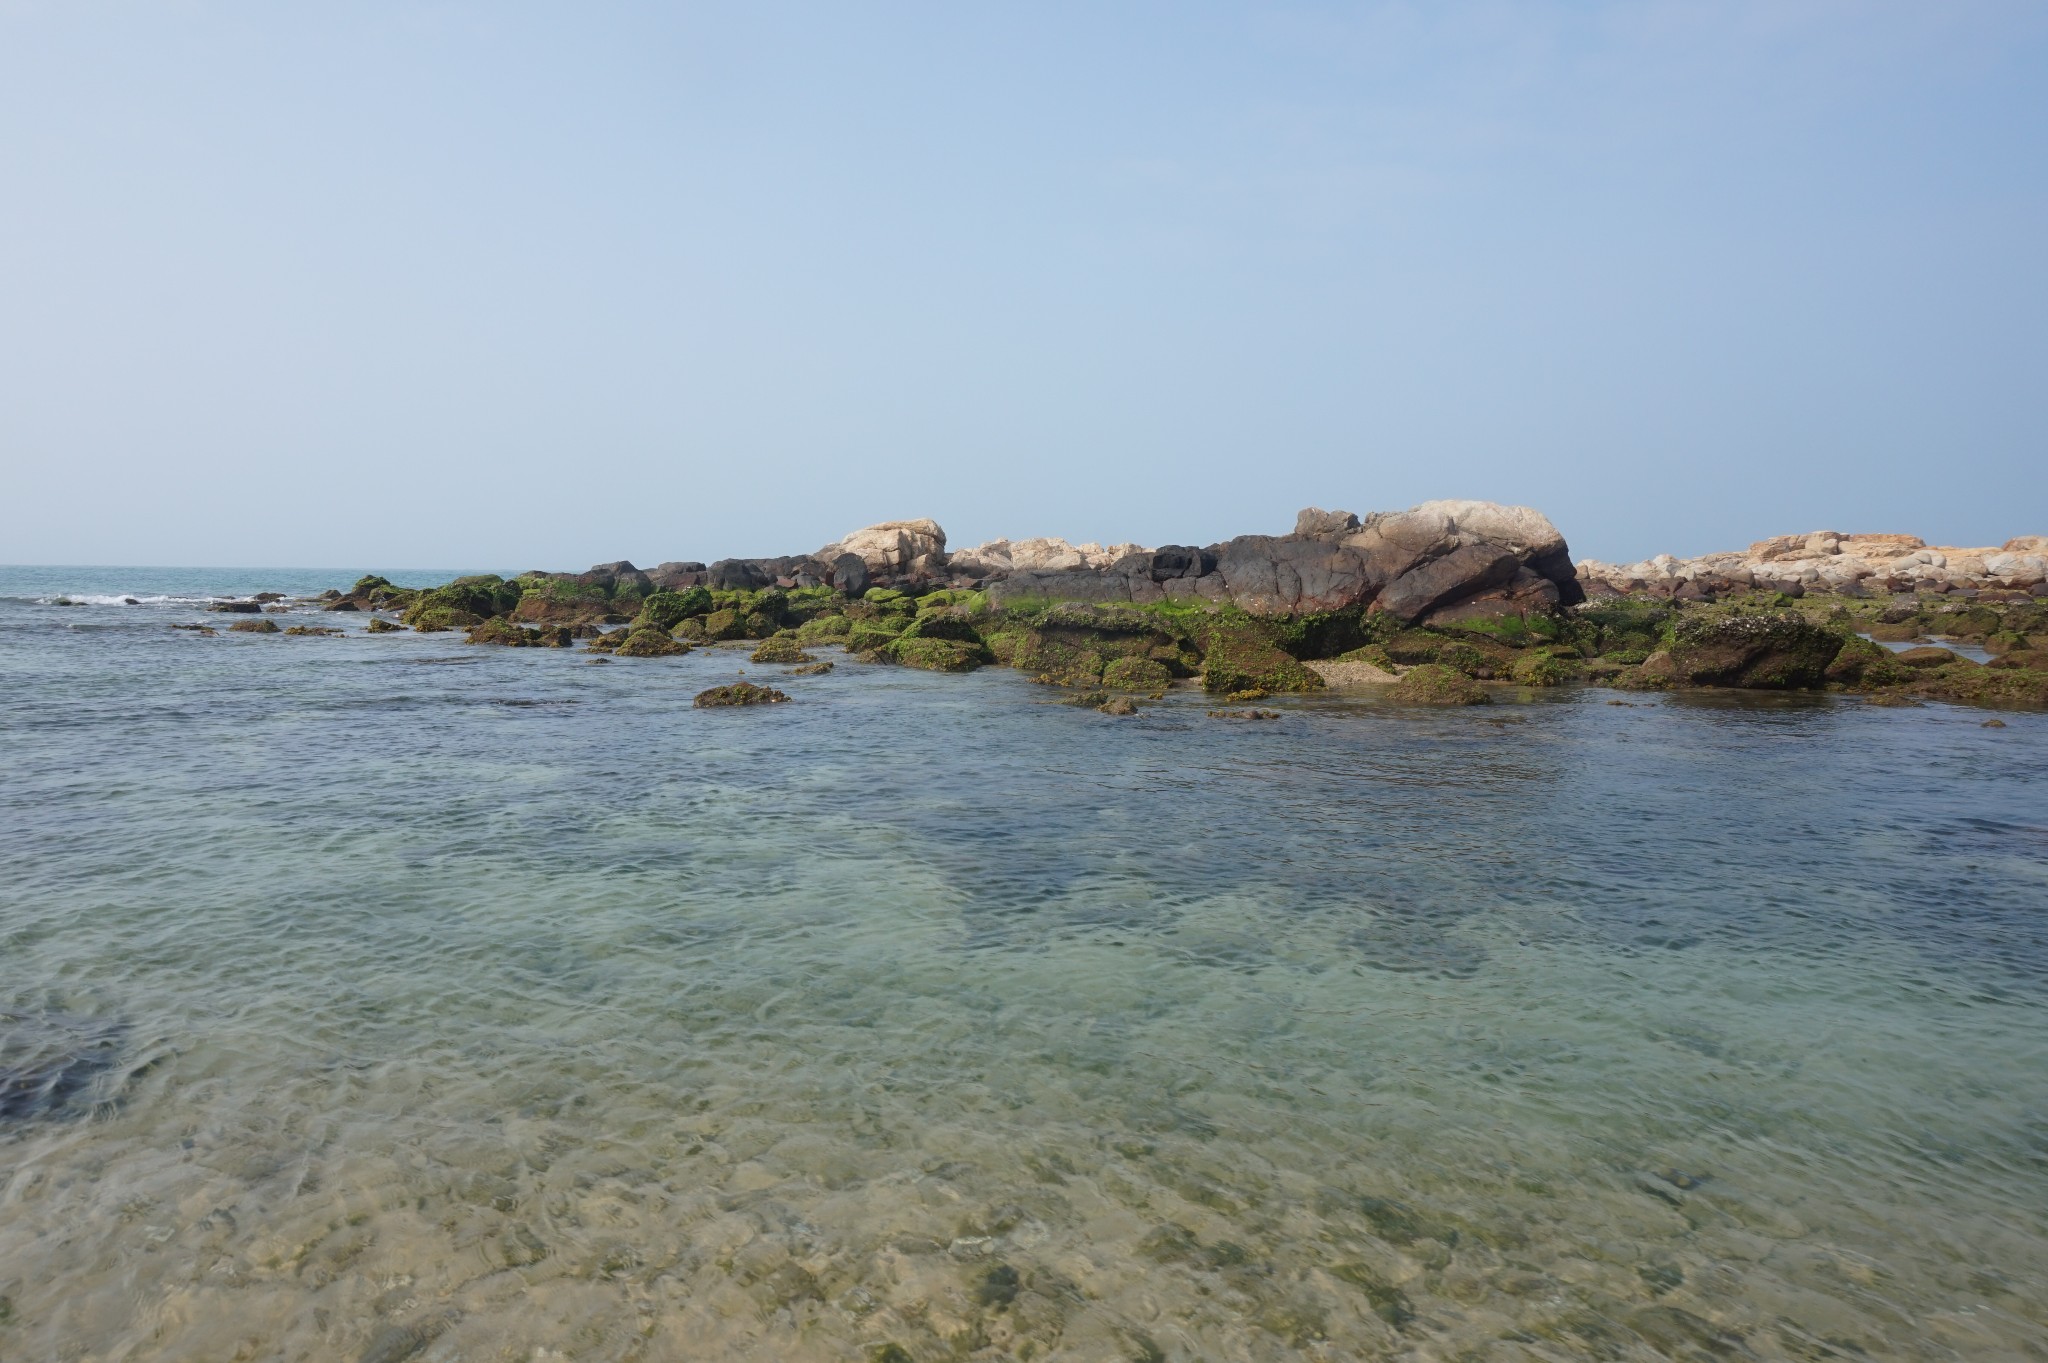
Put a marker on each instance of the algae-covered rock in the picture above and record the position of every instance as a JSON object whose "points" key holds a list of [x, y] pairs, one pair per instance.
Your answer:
{"points": [[821, 629], [431, 619], [1239, 654], [946, 623], [757, 625], [648, 642], [811, 669], [691, 631], [1435, 684], [1926, 657], [464, 602], [938, 655], [781, 648], [1135, 674], [738, 693], [1375, 654], [725, 624], [1768, 652], [1863, 663], [502, 632], [258, 626], [868, 635], [1121, 706], [379, 625], [314, 631], [1542, 669], [665, 610]]}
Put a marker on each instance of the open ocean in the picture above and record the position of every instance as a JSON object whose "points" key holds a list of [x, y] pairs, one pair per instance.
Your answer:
{"points": [[389, 998]]}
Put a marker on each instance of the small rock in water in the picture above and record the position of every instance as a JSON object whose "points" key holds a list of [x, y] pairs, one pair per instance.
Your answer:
{"points": [[739, 693], [998, 1286], [396, 1343], [1244, 714], [1118, 705], [1994, 724]]}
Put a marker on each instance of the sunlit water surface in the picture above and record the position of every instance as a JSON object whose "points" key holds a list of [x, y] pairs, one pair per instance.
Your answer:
{"points": [[407, 999]]}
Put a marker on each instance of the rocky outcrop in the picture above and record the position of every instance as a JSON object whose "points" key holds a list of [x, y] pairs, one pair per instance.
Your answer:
{"points": [[1832, 562], [1461, 559], [893, 547], [1000, 558]]}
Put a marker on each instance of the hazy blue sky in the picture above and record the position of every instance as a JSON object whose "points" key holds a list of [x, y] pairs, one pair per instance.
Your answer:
{"points": [[539, 285]]}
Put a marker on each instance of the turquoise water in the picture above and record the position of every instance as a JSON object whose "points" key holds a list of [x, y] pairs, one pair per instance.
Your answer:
{"points": [[420, 1000]]}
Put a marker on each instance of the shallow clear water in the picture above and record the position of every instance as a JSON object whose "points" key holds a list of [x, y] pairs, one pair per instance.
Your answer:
{"points": [[421, 1000]]}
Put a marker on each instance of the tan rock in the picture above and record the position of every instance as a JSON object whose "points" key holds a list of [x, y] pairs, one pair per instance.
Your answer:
{"points": [[892, 545]]}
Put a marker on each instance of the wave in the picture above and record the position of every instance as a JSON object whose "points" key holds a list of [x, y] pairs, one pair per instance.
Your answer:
{"points": [[113, 599]]}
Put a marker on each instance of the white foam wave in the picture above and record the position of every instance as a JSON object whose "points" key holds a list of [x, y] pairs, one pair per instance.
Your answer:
{"points": [[119, 599]]}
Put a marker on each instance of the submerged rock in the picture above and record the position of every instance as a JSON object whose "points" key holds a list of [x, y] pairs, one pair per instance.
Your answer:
{"points": [[48, 1061], [255, 627], [739, 693]]}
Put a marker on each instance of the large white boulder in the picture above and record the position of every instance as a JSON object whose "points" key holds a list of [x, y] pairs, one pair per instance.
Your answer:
{"points": [[892, 545]]}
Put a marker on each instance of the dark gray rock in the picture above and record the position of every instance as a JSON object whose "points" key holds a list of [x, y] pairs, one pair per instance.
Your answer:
{"points": [[1461, 573], [850, 574]]}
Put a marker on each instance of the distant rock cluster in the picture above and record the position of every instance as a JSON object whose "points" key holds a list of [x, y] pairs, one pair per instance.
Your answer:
{"points": [[1440, 561], [1835, 563]]}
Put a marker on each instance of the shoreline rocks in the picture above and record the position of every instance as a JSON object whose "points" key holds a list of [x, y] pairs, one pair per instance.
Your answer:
{"points": [[1459, 592], [1829, 561]]}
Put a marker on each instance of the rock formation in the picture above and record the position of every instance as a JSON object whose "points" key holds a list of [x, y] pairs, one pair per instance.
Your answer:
{"points": [[1833, 562], [1445, 559]]}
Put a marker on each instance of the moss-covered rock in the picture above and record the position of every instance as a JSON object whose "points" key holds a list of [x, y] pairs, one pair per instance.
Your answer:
{"points": [[379, 625], [1135, 674], [259, 625], [1376, 654], [945, 623], [781, 648], [1863, 663], [1778, 651], [1537, 668], [1624, 628], [504, 633], [725, 624], [465, 601], [738, 693], [691, 631], [665, 610], [546, 598], [811, 669], [868, 635], [1240, 654], [1965, 684], [1436, 684], [314, 631], [822, 629], [937, 655], [648, 642], [428, 619]]}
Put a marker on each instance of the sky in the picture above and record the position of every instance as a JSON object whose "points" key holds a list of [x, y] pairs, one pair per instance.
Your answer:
{"points": [[542, 285]]}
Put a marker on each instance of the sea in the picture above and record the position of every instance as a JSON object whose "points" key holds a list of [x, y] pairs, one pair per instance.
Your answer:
{"points": [[387, 997]]}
